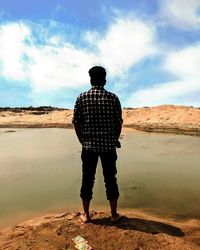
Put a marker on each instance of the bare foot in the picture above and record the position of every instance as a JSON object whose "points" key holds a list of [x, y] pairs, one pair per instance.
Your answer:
{"points": [[116, 218], [85, 218]]}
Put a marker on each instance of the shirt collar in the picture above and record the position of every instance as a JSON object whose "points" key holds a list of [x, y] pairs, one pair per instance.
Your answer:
{"points": [[97, 87]]}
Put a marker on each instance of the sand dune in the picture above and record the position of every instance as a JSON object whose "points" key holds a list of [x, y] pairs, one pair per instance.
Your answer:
{"points": [[165, 119]]}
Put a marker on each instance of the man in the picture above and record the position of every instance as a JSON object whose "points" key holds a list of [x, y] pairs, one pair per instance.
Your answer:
{"points": [[98, 121]]}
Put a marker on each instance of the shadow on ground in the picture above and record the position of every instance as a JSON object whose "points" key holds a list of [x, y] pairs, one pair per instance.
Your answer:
{"points": [[147, 226]]}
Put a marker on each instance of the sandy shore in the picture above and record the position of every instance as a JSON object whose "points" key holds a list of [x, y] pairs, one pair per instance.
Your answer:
{"points": [[165, 119], [135, 231]]}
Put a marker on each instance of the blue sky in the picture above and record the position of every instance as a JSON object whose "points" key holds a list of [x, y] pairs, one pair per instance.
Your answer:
{"points": [[150, 49]]}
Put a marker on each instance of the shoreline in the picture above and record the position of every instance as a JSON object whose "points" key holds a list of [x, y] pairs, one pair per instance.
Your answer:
{"points": [[136, 230], [165, 129]]}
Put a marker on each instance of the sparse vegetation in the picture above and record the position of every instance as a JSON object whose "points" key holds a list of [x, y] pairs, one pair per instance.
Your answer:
{"points": [[21, 109], [128, 108]]}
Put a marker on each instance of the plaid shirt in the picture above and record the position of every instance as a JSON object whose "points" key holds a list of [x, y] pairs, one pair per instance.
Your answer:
{"points": [[98, 112]]}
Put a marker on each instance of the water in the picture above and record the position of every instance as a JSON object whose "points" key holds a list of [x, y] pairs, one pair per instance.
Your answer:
{"points": [[40, 172]]}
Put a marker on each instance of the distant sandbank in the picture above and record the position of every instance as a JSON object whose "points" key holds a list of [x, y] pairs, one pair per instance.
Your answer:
{"points": [[163, 119]]}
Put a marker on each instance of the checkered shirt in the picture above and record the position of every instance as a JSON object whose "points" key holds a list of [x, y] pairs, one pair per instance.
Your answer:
{"points": [[98, 112]]}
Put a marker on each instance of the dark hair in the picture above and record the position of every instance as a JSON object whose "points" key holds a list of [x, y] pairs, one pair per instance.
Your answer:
{"points": [[97, 76]]}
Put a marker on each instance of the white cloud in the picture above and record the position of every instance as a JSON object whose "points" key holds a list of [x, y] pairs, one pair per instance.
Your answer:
{"points": [[164, 93], [48, 66], [56, 63], [181, 13], [55, 40], [183, 64], [126, 42], [53, 67], [91, 37], [12, 49]]}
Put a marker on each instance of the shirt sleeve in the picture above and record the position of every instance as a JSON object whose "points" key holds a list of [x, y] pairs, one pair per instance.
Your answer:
{"points": [[77, 118], [119, 119]]}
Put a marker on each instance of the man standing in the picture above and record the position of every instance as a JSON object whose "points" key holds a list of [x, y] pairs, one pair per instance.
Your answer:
{"points": [[98, 121]]}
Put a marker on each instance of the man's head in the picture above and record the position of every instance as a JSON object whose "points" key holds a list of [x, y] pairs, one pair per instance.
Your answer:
{"points": [[97, 76]]}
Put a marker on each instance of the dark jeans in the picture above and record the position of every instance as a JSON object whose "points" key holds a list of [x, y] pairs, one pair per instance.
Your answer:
{"points": [[89, 164]]}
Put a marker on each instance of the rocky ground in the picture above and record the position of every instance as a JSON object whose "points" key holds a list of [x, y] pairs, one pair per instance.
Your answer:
{"points": [[134, 232], [165, 118]]}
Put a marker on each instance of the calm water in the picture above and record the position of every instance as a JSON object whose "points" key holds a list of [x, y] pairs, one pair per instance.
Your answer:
{"points": [[40, 172]]}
